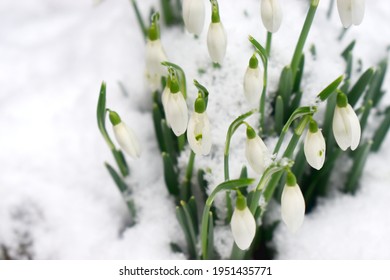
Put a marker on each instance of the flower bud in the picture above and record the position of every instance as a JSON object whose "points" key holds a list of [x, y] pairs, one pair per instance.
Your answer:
{"points": [[314, 146], [351, 11], [242, 224], [216, 36], [271, 15], [193, 15], [253, 82], [346, 124], [256, 152], [292, 204]]}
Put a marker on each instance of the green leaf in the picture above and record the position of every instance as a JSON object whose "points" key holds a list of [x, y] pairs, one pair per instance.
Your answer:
{"points": [[381, 132], [157, 118], [193, 209], [210, 237], [121, 162], [181, 217], [348, 50], [170, 175], [190, 226], [360, 86], [101, 116], [298, 78], [169, 141], [375, 93], [330, 89], [366, 112], [279, 116], [286, 86], [357, 167], [117, 179]]}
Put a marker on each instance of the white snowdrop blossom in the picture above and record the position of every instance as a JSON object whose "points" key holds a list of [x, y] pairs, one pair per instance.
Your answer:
{"points": [[271, 15], [292, 204], [253, 82], [198, 130], [256, 152], [216, 36], [125, 136], [242, 224], [314, 146], [154, 56], [194, 15], [346, 125], [175, 108], [351, 11]]}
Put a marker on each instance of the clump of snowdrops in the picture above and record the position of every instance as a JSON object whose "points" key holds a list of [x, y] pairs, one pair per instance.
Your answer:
{"points": [[295, 175]]}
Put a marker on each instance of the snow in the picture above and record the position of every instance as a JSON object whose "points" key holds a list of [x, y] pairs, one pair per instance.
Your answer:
{"points": [[56, 197]]}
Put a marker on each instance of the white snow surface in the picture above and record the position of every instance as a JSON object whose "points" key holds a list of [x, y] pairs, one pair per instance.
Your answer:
{"points": [[56, 197]]}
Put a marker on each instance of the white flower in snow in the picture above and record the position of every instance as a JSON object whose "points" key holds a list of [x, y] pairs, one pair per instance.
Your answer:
{"points": [[154, 56], [314, 146], [193, 15], [198, 130], [271, 15], [176, 111], [216, 36], [253, 82], [125, 136], [256, 152], [351, 11], [346, 125], [292, 204], [242, 224]]}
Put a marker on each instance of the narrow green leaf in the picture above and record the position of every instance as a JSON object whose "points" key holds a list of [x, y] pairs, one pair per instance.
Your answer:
{"points": [[210, 237], [348, 50], [169, 141], [365, 115], [260, 50], [170, 175], [295, 102], [348, 73], [157, 118], [229, 207], [140, 21], [243, 175], [181, 217], [193, 209], [357, 168], [279, 114], [330, 89], [181, 142], [377, 83], [360, 86], [381, 132], [298, 77], [286, 86], [117, 179], [299, 164], [190, 225], [101, 116]]}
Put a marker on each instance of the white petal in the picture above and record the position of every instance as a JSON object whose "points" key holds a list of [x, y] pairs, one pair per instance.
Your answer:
{"points": [[355, 127], [257, 154], [253, 84], [358, 11], [293, 207], [193, 15], [342, 128], [314, 148], [177, 113], [154, 56], [345, 12], [271, 14], [127, 139], [216, 42], [165, 96], [199, 124], [243, 226]]}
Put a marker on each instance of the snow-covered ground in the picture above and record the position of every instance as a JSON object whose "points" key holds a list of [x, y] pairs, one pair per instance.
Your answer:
{"points": [[57, 199]]}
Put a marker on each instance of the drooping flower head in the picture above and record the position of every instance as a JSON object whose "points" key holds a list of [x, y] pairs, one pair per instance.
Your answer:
{"points": [[175, 107], [271, 15], [351, 12], [253, 82], [198, 130], [314, 146], [216, 36], [256, 152], [193, 15], [292, 204], [125, 136], [243, 224], [155, 54], [346, 125]]}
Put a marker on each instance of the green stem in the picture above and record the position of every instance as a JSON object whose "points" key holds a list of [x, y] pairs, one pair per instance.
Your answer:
{"points": [[303, 36], [268, 44], [141, 23], [186, 189]]}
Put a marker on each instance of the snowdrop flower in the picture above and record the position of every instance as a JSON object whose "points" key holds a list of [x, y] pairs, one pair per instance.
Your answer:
{"points": [[242, 224], [253, 82], [125, 136], [256, 152], [346, 125], [175, 108], [155, 54], [314, 146], [216, 36], [193, 15], [198, 130], [351, 12], [292, 204], [271, 15]]}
